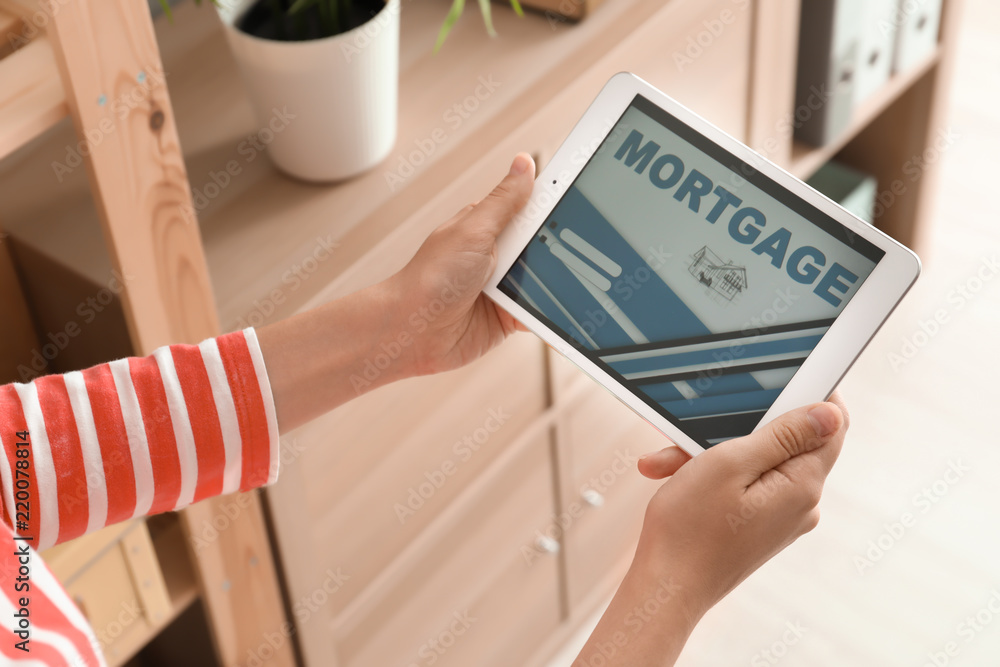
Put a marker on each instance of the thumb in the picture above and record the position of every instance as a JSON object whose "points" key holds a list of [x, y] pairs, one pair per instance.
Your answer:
{"points": [[664, 463], [496, 209], [793, 433]]}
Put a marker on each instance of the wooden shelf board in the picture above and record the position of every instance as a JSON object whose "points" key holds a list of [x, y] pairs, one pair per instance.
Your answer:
{"points": [[807, 159], [175, 562], [10, 24], [69, 559], [182, 587], [32, 98], [263, 223]]}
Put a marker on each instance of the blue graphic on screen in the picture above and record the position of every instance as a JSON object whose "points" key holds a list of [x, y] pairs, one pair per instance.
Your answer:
{"points": [[696, 281]]}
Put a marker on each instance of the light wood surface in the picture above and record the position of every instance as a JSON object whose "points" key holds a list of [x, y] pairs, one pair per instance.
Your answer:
{"points": [[147, 578], [136, 169], [106, 595], [483, 575], [68, 559], [772, 78], [109, 67], [603, 439], [32, 98], [353, 496], [250, 246]]}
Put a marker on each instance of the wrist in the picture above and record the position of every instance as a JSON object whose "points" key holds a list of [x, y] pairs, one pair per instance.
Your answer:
{"points": [[391, 351], [659, 570]]}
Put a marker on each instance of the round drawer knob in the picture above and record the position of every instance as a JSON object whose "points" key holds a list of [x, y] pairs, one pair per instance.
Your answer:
{"points": [[547, 544], [593, 498]]}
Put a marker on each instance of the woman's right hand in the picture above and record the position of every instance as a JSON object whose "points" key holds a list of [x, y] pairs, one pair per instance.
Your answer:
{"points": [[729, 510], [718, 518]]}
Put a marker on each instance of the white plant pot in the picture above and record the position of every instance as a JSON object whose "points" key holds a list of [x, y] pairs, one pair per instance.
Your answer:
{"points": [[329, 105]]}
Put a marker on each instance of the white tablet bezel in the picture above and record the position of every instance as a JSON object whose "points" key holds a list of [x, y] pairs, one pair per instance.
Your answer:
{"points": [[823, 368]]}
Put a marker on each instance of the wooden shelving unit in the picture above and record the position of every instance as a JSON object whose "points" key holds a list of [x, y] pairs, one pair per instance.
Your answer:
{"points": [[85, 63], [260, 226], [807, 159]]}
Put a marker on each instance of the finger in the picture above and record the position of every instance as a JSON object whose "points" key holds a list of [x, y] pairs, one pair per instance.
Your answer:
{"points": [[497, 208], [818, 463], [663, 463], [838, 400], [792, 434]]}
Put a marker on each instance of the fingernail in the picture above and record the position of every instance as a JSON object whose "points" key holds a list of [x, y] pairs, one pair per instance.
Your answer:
{"points": [[824, 418], [520, 164]]}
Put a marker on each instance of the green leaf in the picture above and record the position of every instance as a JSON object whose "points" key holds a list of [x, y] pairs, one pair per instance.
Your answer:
{"points": [[300, 5], [457, 7], [165, 6], [513, 3], [484, 7]]}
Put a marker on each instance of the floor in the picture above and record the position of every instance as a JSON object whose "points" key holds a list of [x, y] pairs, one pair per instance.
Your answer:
{"points": [[904, 568]]}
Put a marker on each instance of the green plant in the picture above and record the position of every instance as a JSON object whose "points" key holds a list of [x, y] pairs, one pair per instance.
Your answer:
{"points": [[334, 16], [458, 6]]}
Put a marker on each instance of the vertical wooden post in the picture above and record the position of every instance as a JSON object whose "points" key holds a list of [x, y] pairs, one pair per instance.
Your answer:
{"points": [[772, 78], [115, 88]]}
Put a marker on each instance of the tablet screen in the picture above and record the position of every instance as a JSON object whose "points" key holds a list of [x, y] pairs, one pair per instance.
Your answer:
{"points": [[696, 281]]}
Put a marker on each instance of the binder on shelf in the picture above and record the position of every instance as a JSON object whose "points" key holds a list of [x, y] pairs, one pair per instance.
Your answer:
{"points": [[919, 23], [854, 190], [829, 47], [879, 27]]}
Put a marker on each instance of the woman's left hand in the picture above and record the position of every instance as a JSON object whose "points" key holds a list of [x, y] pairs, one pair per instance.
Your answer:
{"points": [[438, 297]]}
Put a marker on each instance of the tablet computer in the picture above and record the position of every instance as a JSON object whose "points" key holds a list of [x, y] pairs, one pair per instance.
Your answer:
{"points": [[706, 287]]}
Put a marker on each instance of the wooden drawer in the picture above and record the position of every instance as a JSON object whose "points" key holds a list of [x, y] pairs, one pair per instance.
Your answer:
{"points": [[476, 592], [114, 577], [376, 472], [600, 440]]}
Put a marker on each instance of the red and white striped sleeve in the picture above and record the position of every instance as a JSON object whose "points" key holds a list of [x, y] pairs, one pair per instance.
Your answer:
{"points": [[136, 436]]}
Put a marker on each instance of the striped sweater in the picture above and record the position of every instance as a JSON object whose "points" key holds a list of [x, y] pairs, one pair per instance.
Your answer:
{"points": [[119, 440]]}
